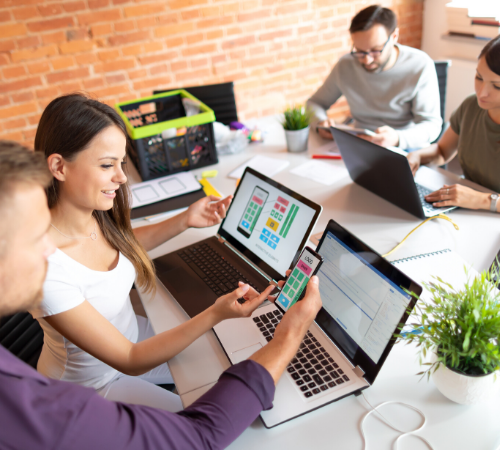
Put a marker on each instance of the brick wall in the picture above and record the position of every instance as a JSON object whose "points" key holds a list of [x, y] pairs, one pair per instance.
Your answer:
{"points": [[276, 51]]}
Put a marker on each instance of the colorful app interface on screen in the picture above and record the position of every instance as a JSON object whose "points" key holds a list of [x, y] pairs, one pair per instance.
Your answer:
{"points": [[297, 280], [253, 210]]}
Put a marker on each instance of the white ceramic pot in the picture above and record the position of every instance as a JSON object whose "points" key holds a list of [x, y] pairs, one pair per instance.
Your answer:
{"points": [[296, 140], [466, 389]]}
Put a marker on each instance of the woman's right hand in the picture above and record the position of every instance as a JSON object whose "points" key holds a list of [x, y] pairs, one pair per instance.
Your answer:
{"points": [[414, 161]]}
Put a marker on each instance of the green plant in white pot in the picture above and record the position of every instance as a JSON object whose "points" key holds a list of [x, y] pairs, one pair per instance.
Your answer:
{"points": [[296, 121], [462, 330]]}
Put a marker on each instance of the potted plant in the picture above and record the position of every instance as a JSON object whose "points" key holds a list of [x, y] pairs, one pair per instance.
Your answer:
{"points": [[296, 125], [462, 330]]}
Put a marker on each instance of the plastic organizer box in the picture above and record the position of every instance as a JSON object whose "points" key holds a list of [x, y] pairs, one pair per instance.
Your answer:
{"points": [[164, 139]]}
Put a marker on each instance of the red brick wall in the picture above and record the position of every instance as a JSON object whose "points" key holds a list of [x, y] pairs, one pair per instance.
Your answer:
{"points": [[276, 51]]}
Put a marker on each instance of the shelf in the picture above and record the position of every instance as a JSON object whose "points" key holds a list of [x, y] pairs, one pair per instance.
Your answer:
{"points": [[465, 39]]}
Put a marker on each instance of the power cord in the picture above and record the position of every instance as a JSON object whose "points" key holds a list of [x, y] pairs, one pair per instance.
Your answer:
{"points": [[439, 216], [404, 433]]}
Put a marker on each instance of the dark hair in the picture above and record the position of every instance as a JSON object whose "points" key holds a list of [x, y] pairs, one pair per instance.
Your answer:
{"points": [[491, 52], [67, 127], [375, 14]]}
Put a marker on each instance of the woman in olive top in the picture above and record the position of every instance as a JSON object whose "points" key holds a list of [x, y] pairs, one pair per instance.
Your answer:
{"points": [[474, 134]]}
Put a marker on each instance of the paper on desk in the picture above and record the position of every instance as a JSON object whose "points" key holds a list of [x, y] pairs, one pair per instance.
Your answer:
{"points": [[154, 191], [330, 148], [263, 164], [322, 172]]}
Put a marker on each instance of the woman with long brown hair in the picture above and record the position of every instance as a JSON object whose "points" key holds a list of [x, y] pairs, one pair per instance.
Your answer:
{"points": [[91, 333]]}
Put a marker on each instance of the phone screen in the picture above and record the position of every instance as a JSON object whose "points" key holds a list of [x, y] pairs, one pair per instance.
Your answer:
{"points": [[295, 285], [252, 211]]}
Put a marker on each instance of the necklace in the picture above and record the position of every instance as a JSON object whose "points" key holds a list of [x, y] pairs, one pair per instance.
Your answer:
{"points": [[92, 236]]}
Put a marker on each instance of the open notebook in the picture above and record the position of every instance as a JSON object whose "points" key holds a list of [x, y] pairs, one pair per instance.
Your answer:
{"points": [[445, 264]]}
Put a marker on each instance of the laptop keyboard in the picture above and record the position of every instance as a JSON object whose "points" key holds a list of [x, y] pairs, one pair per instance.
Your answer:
{"points": [[312, 369], [422, 192], [213, 268]]}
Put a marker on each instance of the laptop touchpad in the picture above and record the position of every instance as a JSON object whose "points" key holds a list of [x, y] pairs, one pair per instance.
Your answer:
{"points": [[180, 281], [244, 353]]}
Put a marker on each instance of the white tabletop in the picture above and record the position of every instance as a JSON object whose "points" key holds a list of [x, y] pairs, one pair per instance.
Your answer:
{"points": [[381, 225]]}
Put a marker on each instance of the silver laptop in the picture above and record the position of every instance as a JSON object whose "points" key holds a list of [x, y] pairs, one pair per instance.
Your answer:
{"points": [[386, 172], [364, 303]]}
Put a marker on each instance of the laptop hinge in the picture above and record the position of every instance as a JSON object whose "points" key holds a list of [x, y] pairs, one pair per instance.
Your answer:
{"points": [[359, 371], [244, 258]]}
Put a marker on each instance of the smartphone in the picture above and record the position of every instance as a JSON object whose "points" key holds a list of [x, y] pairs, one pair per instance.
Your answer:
{"points": [[252, 211], [294, 288]]}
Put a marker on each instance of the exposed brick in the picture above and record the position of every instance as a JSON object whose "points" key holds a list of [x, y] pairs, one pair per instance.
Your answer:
{"points": [[29, 41], [13, 136], [50, 10], [135, 74], [174, 29], [15, 123], [62, 63], [18, 110], [93, 83], [246, 40], [145, 9], [72, 74], [39, 67], [51, 24], [215, 34], [255, 15], [217, 22], [108, 15], [4, 100], [193, 74], [22, 97], [111, 90], [85, 58], [78, 34], [210, 11], [108, 55], [54, 38], [152, 47], [101, 29], [150, 59], [135, 49], [178, 4], [194, 38], [5, 16], [73, 6], [49, 92], [24, 13], [146, 22], [96, 4], [200, 62], [76, 47], [13, 72], [175, 42], [13, 29], [130, 37], [33, 120], [275, 35], [114, 79], [190, 14], [162, 68], [179, 65], [7, 45], [154, 83], [199, 49], [124, 26], [113, 66], [36, 53]]}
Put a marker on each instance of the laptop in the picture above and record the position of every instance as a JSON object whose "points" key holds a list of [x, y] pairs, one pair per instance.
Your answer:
{"points": [[364, 304], [266, 227], [386, 172]]}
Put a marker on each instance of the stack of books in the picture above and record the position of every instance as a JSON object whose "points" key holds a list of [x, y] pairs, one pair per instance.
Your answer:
{"points": [[481, 21]]}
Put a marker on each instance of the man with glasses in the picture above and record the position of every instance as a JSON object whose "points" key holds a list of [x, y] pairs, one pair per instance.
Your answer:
{"points": [[391, 89]]}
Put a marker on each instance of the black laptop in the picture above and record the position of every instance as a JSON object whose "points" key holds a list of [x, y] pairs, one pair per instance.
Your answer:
{"points": [[266, 227], [386, 172]]}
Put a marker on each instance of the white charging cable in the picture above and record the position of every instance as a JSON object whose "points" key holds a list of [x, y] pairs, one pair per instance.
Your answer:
{"points": [[404, 433]]}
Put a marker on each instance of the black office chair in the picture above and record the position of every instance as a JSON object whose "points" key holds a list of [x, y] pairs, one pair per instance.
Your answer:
{"points": [[22, 336], [442, 74], [219, 97]]}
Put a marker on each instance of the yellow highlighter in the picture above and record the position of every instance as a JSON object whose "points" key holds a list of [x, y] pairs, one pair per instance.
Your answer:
{"points": [[208, 188]]}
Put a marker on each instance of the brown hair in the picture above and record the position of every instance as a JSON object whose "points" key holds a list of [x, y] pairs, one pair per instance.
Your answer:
{"points": [[67, 126], [491, 52], [18, 164], [372, 15]]}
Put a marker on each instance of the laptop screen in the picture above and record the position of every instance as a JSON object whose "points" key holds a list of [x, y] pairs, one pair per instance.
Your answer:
{"points": [[269, 221], [363, 298]]}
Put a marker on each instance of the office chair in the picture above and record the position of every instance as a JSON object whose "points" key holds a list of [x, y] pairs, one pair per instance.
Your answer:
{"points": [[22, 336], [442, 74], [219, 97]]}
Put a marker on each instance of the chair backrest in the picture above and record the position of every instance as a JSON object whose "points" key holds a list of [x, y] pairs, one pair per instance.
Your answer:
{"points": [[22, 336], [442, 75], [219, 97]]}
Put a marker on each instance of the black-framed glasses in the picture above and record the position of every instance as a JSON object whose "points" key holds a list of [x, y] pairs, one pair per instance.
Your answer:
{"points": [[373, 53]]}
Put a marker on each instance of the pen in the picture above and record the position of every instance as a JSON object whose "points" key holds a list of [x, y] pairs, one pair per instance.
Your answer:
{"points": [[326, 157]]}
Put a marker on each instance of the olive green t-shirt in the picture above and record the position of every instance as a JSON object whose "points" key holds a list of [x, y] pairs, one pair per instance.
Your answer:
{"points": [[478, 143]]}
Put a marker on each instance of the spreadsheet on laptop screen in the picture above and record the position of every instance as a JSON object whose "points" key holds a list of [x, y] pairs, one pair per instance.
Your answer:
{"points": [[365, 303]]}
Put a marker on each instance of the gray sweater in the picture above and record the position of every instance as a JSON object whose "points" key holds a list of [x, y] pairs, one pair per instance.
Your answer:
{"points": [[405, 97]]}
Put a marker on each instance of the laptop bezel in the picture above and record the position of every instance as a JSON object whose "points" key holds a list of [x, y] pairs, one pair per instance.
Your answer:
{"points": [[246, 252], [360, 358]]}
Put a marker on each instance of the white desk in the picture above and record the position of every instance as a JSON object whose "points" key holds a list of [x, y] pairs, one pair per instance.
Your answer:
{"points": [[381, 225]]}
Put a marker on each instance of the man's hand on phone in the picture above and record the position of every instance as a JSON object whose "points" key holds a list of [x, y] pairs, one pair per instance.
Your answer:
{"points": [[325, 134]]}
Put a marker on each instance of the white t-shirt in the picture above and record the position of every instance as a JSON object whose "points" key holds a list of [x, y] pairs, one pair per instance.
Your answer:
{"points": [[67, 285]]}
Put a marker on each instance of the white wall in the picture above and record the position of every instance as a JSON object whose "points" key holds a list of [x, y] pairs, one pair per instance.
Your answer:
{"points": [[462, 51]]}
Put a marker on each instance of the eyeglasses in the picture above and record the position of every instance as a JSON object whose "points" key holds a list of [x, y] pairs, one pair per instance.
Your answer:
{"points": [[373, 53]]}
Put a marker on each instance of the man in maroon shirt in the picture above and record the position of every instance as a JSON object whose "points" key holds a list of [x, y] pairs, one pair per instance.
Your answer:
{"points": [[41, 413]]}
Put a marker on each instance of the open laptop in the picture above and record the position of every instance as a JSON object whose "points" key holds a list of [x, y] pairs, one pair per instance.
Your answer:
{"points": [[364, 303], [386, 172], [266, 227]]}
